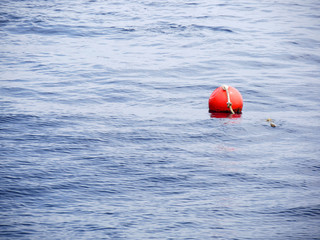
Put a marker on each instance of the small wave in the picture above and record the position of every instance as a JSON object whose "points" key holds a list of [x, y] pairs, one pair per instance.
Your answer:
{"points": [[7, 18], [167, 28], [307, 211], [3, 21], [11, 118], [171, 28], [215, 29], [68, 30], [192, 4]]}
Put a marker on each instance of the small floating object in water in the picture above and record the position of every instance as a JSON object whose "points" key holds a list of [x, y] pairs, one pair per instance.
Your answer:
{"points": [[272, 124], [225, 99]]}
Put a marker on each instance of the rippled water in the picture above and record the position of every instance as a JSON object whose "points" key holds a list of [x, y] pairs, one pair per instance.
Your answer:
{"points": [[104, 124]]}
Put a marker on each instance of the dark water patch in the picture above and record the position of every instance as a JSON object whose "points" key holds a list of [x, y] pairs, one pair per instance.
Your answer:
{"points": [[47, 29], [18, 92], [8, 18], [3, 21], [22, 191], [164, 27], [173, 28], [307, 212], [7, 119], [211, 28]]}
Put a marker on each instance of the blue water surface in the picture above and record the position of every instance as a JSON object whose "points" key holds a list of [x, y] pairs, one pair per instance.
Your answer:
{"points": [[104, 124]]}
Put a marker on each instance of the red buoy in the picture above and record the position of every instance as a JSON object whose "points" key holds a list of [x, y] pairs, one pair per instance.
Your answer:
{"points": [[225, 99]]}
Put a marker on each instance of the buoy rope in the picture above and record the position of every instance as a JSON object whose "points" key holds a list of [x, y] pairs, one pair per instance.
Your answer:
{"points": [[229, 103]]}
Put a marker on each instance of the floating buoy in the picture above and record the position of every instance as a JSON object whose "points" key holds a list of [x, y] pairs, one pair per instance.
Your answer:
{"points": [[225, 99]]}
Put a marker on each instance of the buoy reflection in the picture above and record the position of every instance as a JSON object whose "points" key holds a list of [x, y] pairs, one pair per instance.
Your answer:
{"points": [[224, 115]]}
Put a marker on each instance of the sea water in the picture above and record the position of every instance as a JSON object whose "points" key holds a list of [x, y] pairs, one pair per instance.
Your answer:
{"points": [[104, 124]]}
